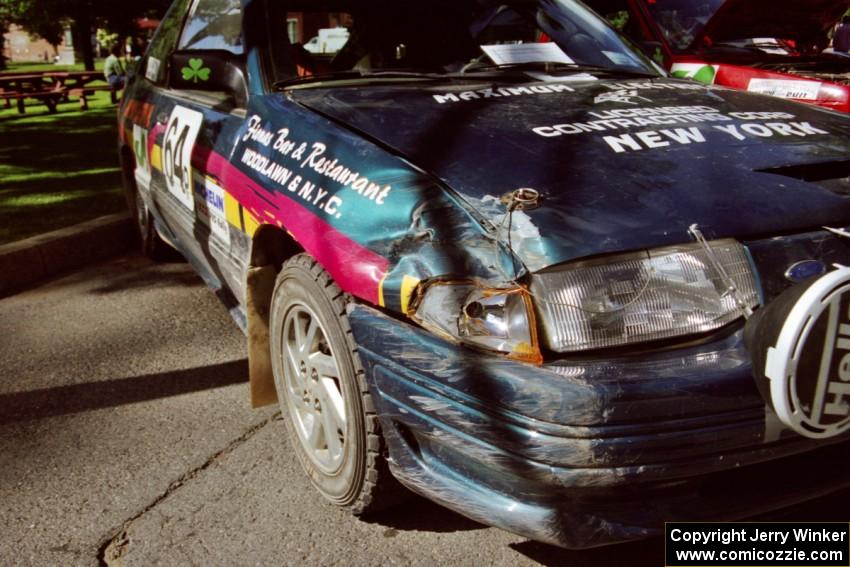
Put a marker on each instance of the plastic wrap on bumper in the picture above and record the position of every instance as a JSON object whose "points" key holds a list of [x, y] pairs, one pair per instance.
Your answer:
{"points": [[584, 452]]}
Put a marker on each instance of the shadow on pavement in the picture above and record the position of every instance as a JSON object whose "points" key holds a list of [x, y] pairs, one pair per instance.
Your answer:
{"points": [[77, 398], [420, 515], [647, 553], [156, 275]]}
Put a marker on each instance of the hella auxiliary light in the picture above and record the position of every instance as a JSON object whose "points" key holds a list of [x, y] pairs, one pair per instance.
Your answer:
{"points": [[800, 345], [639, 297], [498, 320]]}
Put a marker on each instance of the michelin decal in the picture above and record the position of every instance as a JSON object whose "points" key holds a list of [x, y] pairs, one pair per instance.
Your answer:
{"points": [[209, 203]]}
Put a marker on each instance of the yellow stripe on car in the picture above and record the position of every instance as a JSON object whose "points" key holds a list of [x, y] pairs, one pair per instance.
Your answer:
{"points": [[408, 286]]}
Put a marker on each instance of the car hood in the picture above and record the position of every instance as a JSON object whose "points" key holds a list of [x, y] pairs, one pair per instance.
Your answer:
{"points": [[782, 19], [618, 165]]}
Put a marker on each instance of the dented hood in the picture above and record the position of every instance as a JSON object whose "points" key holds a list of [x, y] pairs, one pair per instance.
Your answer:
{"points": [[619, 165], [781, 19]]}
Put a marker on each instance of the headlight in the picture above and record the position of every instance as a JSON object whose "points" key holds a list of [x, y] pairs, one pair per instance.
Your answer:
{"points": [[499, 320], [632, 298]]}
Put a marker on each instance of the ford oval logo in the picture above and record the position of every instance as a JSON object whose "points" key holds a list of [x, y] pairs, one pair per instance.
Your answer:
{"points": [[804, 270]]}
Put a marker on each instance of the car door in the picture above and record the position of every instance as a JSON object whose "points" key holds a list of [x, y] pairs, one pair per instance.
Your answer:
{"points": [[197, 114]]}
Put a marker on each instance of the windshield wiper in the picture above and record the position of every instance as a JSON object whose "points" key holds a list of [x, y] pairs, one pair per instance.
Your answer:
{"points": [[482, 72], [357, 75], [555, 67], [751, 46]]}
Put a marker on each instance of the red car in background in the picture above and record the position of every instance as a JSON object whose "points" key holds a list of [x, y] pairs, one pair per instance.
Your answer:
{"points": [[774, 47]]}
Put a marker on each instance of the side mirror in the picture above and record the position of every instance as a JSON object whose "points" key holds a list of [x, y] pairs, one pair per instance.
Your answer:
{"points": [[209, 70]]}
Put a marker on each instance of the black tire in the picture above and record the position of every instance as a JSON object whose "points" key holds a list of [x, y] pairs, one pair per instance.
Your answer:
{"points": [[151, 243], [348, 467]]}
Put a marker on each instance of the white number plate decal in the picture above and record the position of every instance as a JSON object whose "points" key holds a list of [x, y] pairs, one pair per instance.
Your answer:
{"points": [[800, 90], [180, 136]]}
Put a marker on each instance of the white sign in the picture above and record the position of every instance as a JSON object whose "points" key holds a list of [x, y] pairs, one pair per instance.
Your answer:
{"points": [[152, 69], [798, 90], [526, 53], [572, 78], [177, 146]]}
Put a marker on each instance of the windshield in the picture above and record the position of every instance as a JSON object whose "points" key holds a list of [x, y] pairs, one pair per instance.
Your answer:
{"points": [[549, 38], [681, 21]]}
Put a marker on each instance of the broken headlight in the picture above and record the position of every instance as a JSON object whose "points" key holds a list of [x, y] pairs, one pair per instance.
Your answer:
{"points": [[498, 320], [633, 298]]}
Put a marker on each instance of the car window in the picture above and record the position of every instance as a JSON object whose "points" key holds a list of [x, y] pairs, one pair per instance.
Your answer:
{"points": [[214, 24], [681, 21], [618, 13], [313, 38], [440, 36], [164, 41]]}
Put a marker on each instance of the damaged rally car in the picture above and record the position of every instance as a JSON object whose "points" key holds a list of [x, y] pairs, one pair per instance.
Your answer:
{"points": [[763, 46], [486, 250]]}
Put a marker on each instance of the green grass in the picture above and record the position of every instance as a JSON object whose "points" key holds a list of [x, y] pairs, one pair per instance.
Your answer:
{"points": [[57, 169], [24, 68]]}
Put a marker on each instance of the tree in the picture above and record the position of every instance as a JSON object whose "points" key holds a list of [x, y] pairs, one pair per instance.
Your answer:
{"points": [[42, 25], [37, 16], [9, 12]]}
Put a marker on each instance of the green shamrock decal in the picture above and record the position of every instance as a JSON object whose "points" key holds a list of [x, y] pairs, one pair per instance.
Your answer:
{"points": [[195, 71]]}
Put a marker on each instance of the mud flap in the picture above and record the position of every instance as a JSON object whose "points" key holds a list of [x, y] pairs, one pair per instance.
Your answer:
{"points": [[260, 285]]}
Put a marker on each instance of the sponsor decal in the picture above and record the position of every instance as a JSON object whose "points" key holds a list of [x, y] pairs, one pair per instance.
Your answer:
{"points": [[739, 126], [502, 92], [177, 145], [798, 90], [142, 172], [356, 269], [140, 148], [553, 88], [622, 97], [807, 362], [210, 205], [306, 169], [653, 85], [695, 71]]}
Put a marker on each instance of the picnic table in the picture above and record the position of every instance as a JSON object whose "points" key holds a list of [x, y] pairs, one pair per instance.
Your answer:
{"points": [[51, 87]]}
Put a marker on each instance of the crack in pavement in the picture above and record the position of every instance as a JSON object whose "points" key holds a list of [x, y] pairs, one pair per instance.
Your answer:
{"points": [[113, 547]]}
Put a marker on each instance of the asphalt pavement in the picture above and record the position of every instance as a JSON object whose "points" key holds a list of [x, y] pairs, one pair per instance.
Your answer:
{"points": [[126, 438]]}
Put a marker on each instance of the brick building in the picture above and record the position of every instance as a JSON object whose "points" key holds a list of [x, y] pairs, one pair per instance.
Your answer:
{"points": [[19, 47]]}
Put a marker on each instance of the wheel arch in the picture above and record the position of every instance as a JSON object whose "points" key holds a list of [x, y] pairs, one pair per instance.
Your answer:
{"points": [[271, 246]]}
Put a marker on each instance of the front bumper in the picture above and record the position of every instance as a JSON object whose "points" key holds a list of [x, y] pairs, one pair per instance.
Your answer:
{"points": [[586, 452]]}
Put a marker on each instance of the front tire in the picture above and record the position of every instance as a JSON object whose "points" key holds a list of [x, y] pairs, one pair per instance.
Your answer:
{"points": [[322, 389]]}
